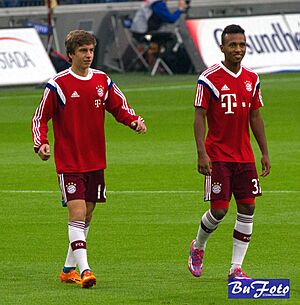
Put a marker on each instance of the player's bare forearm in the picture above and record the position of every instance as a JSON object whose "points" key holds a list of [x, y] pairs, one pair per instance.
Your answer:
{"points": [[258, 129], [200, 130], [204, 163]]}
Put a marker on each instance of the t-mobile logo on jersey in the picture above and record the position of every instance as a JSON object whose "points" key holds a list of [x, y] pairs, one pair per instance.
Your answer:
{"points": [[228, 101], [98, 103]]}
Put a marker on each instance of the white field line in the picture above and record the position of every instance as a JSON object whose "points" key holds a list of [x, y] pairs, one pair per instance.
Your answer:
{"points": [[165, 88], [138, 192], [156, 88]]}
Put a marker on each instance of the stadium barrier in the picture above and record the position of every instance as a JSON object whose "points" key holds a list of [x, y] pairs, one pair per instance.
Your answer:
{"points": [[273, 41], [23, 58], [197, 39]]}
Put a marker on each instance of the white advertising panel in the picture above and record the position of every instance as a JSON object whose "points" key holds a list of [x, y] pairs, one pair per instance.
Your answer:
{"points": [[23, 59], [273, 42]]}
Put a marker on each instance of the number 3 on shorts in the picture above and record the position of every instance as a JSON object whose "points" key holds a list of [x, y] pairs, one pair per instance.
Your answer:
{"points": [[257, 189]]}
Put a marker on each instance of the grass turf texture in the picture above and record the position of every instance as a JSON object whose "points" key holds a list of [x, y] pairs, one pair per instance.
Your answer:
{"points": [[139, 241]]}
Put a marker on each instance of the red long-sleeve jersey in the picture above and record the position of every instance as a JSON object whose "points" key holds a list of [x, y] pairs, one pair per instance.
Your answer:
{"points": [[77, 107]]}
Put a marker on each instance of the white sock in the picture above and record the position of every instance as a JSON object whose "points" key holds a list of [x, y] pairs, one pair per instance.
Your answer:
{"points": [[86, 229], [78, 244], [70, 259], [241, 238], [207, 226]]}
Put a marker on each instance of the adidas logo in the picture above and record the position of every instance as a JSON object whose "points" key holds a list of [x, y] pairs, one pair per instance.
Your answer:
{"points": [[75, 94], [225, 88]]}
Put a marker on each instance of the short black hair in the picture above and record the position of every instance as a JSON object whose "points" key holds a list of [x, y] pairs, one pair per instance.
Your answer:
{"points": [[232, 29]]}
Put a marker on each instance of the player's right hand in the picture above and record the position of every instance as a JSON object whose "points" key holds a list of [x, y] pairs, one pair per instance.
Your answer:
{"points": [[204, 165], [44, 152]]}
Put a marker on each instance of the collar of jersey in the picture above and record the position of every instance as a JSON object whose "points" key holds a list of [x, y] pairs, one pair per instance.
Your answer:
{"points": [[236, 75], [88, 77]]}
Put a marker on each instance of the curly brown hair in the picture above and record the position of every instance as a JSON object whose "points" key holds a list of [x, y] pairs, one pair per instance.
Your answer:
{"points": [[76, 39]]}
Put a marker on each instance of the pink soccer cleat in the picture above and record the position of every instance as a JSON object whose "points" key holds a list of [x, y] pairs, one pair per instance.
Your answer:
{"points": [[195, 260], [238, 274]]}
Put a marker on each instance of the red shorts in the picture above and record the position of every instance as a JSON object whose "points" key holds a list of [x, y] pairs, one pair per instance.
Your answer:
{"points": [[89, 186], [227, 178]]}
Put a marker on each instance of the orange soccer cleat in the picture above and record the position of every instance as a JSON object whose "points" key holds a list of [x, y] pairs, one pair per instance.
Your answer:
{"points": [[88, 279], [70, 277]]}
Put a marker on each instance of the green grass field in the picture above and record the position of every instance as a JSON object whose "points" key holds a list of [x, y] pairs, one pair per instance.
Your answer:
{"points": [[139, 240]]}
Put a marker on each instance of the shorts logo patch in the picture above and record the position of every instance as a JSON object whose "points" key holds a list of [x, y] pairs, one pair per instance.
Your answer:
{"points": [[71, 187], [216, 188]]}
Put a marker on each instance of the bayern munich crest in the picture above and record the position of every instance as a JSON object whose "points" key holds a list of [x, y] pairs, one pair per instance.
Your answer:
{"points": [[248, 85], [216, 188], [71, 188], [100, 90]]}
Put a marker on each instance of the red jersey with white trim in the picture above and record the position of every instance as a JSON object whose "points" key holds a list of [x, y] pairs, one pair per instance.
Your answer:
{"points": [[228, 99], [77, 107]]}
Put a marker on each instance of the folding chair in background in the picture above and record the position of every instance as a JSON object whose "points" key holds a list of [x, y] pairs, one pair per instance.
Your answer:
{"points": [[135, 46]]}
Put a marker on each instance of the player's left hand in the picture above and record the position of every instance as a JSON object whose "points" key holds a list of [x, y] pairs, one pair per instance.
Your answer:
{"points": [[266, 166], [139, 126]]}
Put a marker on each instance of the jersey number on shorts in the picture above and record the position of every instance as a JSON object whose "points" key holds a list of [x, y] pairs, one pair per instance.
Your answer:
{"points": [[257, 189]]}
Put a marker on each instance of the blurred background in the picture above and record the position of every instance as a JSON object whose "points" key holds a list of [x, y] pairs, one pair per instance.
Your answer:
{"points": [[272, 29], [140, 238]]}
